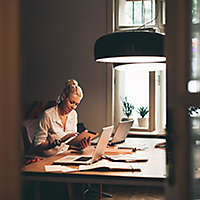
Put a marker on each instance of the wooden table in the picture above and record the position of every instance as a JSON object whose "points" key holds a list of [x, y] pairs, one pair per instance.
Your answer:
{"points": [[153, 172]]}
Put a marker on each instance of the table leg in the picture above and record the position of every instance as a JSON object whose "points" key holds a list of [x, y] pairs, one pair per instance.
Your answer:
{"points": [[100, 192]]}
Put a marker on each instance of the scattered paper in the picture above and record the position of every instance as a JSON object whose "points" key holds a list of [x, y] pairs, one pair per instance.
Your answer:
{"points": [[137, 146], [104, 164], [54, 168], [135, 157]]}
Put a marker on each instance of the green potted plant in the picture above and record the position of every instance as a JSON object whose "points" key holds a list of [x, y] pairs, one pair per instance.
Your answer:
{"points": [[143, 111], [127, 108]]}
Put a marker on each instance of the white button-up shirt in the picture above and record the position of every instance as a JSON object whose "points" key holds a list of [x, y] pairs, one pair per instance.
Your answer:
{"points": [[51, 128]]}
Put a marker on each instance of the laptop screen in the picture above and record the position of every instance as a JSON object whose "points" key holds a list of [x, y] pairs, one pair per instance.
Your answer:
{"points": [[122, 131]]}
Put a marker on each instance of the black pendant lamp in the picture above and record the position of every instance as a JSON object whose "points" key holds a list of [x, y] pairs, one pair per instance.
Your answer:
{"points": [[130, 47]]}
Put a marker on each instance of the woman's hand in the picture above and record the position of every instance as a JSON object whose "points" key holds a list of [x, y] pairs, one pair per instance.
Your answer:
{"points": [[85, 143]]}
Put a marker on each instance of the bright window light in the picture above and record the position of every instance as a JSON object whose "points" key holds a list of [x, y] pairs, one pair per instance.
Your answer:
{"points": [[142, 67], [194, 86]]}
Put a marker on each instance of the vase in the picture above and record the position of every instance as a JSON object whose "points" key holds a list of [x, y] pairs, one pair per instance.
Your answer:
{"points": [[142, 122]]}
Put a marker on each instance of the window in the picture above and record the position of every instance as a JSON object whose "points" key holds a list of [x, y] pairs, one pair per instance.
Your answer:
{"points": [[145, 88], [136, 14], [141, 88]]}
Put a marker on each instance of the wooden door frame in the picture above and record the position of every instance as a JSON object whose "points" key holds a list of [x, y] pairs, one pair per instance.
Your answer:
{"points": [[9, 101]]}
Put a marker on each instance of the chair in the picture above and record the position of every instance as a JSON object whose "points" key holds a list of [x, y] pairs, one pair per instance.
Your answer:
{"points": [[30, 123], [95, 192], [28, 129]]}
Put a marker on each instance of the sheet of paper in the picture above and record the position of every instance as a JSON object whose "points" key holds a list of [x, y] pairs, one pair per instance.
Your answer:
{"points": [[137, 146], [54, 168], [110, 165], [139, 156]]}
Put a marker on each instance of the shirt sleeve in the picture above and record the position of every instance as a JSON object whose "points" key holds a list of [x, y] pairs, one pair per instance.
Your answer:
{"points": [[42, 130]]}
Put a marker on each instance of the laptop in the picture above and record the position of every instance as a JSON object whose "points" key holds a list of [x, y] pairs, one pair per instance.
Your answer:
{"points": [[97, 154], [121, 132]]}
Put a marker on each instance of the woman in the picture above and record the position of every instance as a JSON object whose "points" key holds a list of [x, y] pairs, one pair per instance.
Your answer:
{"points": [[59, 123]]}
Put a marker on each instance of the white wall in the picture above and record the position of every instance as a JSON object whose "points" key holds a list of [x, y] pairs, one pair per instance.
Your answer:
{"points": [[58, 39]]}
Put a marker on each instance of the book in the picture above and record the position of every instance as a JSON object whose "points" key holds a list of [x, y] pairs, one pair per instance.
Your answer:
{"points": [[80, 136], [105, 165]]}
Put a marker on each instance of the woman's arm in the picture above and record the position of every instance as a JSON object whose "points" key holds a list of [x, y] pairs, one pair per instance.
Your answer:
{"points": [[42, 141]]}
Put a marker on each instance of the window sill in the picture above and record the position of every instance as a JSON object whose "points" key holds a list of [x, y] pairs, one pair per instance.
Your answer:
{"points": [[152, 134]]}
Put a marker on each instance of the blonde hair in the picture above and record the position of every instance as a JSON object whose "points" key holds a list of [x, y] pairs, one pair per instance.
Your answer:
{"points": [[71, 87]]}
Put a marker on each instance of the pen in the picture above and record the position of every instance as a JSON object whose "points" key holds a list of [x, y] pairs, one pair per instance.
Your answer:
{"points": [[94, 133], [160, 145], [135, 169]]}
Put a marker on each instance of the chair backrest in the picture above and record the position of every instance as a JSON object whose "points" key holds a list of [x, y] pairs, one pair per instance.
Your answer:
{"points": [[30, 123], [26, 143], [28, 130]]}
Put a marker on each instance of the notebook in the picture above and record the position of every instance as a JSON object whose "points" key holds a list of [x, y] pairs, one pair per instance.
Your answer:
{"points": [[97, 154], [121, 132]]}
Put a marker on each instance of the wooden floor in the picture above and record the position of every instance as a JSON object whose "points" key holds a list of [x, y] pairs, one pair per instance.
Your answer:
{"points": [[133, 193]]}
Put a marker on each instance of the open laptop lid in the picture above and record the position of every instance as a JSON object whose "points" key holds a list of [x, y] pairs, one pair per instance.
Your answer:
{"points": [[97, 154], [102, 143], [121, 132]]}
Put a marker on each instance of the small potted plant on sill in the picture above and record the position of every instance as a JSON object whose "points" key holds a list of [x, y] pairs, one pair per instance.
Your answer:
{"points": [[143, 111], [127, 109]]}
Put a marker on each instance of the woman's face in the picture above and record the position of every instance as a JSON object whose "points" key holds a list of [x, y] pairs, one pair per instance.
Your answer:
{"points": [[70, 103]]}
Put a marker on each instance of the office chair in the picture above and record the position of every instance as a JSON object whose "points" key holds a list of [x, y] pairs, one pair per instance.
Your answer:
{"points": [[93, 192]]}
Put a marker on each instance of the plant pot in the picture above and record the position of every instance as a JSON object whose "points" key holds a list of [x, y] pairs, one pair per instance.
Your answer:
{"points": [[142, 122], [126, 119]]}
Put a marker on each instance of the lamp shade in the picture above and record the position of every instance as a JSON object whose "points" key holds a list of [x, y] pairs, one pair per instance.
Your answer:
{"points": [[130, 47]]}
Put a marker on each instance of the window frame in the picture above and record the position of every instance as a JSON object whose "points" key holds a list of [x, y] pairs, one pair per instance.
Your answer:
{"points": [[151, 119], [159, 18]]}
